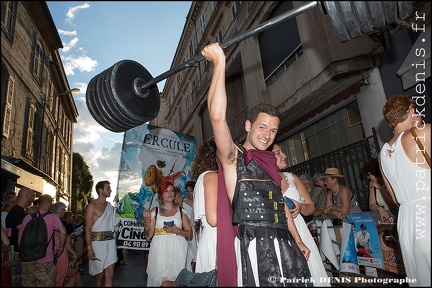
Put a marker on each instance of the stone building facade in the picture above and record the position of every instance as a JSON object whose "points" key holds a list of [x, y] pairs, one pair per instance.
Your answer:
{"points": [[38, 110]]}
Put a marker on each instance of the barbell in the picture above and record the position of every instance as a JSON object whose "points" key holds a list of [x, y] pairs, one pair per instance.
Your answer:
{"points": [[126, 95]]}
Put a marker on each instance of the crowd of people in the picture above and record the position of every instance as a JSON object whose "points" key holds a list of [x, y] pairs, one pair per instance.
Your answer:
{"points": [[60, 265], [237, 215]]}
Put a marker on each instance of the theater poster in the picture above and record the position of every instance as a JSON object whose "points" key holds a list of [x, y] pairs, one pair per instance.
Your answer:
{"points": [[149, 156], [362, 245]]}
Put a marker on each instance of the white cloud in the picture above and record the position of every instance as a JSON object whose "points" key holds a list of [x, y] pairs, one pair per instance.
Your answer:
{"points": [[70, 45], [67, 33], [82, 63], [72, 11]]}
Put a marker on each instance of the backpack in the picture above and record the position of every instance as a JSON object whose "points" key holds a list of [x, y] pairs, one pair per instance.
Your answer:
{"points": [[34, 239]]}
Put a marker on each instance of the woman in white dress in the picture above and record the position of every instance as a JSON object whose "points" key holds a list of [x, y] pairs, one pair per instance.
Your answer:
{"points": [[297, 192], [408, 178], [168, 227], [205, 202]]}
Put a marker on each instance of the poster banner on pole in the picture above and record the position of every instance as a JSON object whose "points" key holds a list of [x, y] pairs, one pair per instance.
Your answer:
{"points": [[150, 155]]}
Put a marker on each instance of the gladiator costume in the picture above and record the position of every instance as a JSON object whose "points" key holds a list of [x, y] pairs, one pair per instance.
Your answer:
{"points": [[267, 254]]}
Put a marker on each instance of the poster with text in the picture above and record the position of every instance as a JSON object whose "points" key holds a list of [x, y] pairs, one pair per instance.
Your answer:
{"points": [[366, 243], [150, 155]]}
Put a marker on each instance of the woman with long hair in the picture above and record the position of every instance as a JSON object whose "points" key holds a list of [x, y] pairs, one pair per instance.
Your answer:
{"points": [[204, 169]]}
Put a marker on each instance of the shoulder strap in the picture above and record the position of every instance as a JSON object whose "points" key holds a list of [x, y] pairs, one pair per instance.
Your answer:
{"points": [[46, 213], [181, 212], [422, 149], [240, 148]]}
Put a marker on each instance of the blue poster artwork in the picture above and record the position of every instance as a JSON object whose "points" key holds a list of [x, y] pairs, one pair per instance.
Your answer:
{"points": [[150, 155]]}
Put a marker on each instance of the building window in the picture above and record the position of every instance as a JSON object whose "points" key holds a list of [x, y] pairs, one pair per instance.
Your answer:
{"points": [[179, 117], [53, 155], [202, 23], [191, 50], [10, 93], [8, 16], [60, 121], [37, 62], [50, 95], [286, 35], [30, 129], [49, 153], [324, 136], [187, 101], [66, 178]]}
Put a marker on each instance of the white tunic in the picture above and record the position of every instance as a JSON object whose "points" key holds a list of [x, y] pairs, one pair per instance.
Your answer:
{"points": [[106, 250], [411, 186], [206, 252], [315, 263]]}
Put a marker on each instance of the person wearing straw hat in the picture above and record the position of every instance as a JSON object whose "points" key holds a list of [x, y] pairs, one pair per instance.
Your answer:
{"points": [[340, 199]]}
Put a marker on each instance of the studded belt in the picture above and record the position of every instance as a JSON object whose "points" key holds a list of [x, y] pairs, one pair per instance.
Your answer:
{"points": [[102, 235]]}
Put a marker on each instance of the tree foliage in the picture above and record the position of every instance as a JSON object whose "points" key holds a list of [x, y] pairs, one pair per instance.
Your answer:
{"points": [[82, 184]]}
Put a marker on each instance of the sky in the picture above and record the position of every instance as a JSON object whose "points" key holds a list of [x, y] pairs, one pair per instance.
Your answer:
{"points": [[95, 36]]}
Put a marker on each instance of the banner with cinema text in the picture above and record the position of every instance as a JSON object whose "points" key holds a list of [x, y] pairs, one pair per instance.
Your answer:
{"points": [[150, 155]]}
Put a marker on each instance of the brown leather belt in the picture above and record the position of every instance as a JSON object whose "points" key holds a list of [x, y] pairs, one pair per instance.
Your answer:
{"points": [[102, 235]]}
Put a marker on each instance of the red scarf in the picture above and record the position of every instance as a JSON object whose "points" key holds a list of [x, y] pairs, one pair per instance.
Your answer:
{"points": [[226, 233], [266, 160]]}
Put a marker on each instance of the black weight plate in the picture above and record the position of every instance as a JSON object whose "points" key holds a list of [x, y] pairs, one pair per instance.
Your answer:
{"points": [[336, 20], [94, 105], [390, 11], [138, 109], [349, 18], [116, 111], [404, 9], [376, 14], [361, 10]]}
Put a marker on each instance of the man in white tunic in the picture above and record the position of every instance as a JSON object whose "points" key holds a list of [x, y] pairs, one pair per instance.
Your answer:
{"points": [[99, 233]]}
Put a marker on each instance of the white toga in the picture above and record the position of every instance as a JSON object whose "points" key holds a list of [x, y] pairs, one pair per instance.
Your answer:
{"points": [[106, 250]]}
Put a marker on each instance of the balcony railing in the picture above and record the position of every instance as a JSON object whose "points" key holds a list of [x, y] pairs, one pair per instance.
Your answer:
{"points": [[349, 159]]}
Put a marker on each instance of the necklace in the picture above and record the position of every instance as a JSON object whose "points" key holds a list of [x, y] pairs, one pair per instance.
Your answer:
{"points": [[335, 193]]}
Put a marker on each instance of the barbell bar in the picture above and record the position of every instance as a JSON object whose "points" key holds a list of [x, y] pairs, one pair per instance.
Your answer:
{"points": [[126, 95]]}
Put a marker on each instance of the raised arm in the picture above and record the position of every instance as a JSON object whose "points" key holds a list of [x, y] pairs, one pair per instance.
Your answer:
{"points": [[217, 106], [149, 223], [217, 101]]}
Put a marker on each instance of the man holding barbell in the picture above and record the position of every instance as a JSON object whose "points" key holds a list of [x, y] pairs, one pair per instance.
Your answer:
{"points": [[269, 250]]}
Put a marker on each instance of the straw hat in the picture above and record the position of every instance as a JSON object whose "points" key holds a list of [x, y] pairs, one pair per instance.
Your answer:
{"points": [[333, 172]]}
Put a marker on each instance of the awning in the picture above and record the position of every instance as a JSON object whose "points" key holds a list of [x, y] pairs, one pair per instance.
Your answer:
{"points": [[10, 169], [415, 68]]}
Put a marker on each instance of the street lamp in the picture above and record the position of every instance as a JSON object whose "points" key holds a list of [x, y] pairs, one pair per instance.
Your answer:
{"points": [[71, 91]]}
